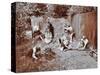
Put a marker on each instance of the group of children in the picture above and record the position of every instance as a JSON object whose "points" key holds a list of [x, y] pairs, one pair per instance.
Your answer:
{"points": [[65, 41]]}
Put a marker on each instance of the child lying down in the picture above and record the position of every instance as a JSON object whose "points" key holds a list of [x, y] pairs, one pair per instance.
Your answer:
{"points": [[79, 45]]}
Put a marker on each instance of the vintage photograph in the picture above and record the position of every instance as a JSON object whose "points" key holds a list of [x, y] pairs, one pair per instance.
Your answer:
{"points": [[53, 37]]}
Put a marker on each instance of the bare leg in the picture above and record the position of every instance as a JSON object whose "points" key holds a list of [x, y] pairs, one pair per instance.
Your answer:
{"points": [[34, 51]]}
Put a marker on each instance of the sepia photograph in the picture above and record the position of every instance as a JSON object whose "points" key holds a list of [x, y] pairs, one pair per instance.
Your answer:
{"points": [[53, 37]]}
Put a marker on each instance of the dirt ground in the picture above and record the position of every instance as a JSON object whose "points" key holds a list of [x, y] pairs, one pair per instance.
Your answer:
{"points": [[51, 60]]}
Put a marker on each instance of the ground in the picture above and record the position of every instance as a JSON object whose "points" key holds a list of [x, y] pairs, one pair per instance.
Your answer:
{"points": [[53, 60]]}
